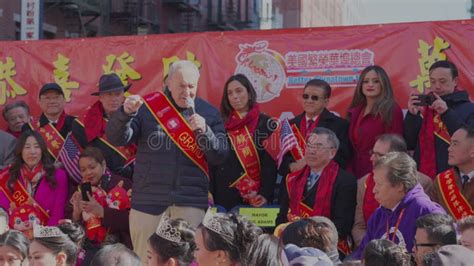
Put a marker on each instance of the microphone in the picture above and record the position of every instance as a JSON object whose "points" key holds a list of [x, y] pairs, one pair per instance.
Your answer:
{"points": [[190, 104]]}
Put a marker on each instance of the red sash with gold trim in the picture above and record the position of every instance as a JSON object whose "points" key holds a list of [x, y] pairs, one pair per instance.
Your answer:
{"points": [[54, 140], [20, 195], [296, 183], [298, 151], [128, 152], [176, 127], [249, 183], [457, 204]]}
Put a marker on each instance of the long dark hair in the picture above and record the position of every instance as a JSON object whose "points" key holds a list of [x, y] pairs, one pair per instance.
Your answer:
{"points": [[385, 102], [48, 165], [183, 251], [64, 243], [226, 108]]}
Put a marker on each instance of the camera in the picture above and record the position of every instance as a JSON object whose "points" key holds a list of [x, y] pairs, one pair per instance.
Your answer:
{"points": [[425, 99]]}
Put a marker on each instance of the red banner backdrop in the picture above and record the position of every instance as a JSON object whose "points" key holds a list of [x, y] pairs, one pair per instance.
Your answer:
{"points": [[278, 62]]}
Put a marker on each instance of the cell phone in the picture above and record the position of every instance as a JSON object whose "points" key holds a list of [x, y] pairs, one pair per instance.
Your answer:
{"points": [[425, 99], [86, 187]]}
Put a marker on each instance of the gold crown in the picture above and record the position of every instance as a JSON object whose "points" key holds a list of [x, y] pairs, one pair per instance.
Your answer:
{"points": [[213, 223], [167, 231], [40, 231]]}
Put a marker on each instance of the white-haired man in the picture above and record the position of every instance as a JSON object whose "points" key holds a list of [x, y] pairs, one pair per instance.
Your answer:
{"points": [[176, 141]]}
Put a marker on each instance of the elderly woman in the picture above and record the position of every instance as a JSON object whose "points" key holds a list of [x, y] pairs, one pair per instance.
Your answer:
{"points": [[106, 210], [33, 185], [402, 201]]}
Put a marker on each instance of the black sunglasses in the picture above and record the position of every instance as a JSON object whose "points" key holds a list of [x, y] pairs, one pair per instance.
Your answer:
{"points": [[313, 97]]}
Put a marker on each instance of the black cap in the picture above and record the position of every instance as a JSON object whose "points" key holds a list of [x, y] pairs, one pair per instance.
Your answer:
{"points": [[51, 87]]}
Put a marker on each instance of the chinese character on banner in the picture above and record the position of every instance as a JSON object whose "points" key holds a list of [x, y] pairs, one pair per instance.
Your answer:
{"points": [[7, 72], [61, 76], [125, 72], [428, 55], [167, 61]]}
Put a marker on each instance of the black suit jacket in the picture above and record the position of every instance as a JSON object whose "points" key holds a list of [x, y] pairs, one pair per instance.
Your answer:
{"points": [[343, 201], [330, 121]]}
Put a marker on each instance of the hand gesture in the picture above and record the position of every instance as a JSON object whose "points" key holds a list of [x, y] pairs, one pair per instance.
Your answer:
{"points": [[132, 104], [298, 165], [439, 105]]}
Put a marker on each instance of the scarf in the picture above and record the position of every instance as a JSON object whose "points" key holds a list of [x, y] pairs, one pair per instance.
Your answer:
{"points": [[15, 134], [322, 202], [94, 123], [250, 120]]}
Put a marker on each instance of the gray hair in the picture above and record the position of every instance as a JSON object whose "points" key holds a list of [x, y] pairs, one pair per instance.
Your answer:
{"points": [[183, 64], [14, 105], [115, 255], [401, 169], [332, 138]]}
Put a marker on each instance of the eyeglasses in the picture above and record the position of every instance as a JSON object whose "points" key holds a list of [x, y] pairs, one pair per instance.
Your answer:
{"points": [[377, 154], [313, 97], [319, 146]]}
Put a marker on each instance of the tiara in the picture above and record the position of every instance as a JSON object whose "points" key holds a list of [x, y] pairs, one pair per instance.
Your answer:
{"points": [[40, 231], [212, 223], [167, 231]]}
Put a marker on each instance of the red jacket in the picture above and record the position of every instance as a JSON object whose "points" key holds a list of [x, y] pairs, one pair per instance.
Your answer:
{"points": [[369, 128]]}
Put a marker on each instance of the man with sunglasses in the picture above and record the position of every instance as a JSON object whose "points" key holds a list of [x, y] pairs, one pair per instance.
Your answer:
{"points": [[432, 232], [366, 203], [315, 100]]}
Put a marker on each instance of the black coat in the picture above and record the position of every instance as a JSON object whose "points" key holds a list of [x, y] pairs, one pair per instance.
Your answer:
{"points": [[114, 161], [328, 120], [44, 121], [460, 111], [343, 202], [224, 175]]}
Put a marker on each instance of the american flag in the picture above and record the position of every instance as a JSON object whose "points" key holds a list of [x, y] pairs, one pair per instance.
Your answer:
{"points": [[287, 140], [69, 156]]}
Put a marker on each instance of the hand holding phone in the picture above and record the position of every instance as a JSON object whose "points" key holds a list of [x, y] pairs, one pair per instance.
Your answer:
{"points": [[425, 99], [85, 189]]}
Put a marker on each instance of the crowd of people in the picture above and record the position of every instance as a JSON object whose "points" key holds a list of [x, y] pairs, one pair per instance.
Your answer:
{"points": [[159, 179]]}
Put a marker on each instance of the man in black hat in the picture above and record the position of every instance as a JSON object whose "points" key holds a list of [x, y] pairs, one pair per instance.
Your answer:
{"points": [[90, 129]]}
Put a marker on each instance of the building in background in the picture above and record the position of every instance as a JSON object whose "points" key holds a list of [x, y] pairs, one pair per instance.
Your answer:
{"points": [[90, 18]]}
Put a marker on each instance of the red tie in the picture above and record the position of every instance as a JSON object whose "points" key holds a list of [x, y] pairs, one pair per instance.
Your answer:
{"points": [[308, 127]]}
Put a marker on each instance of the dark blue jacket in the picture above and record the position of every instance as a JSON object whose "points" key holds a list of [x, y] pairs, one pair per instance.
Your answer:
{"points": [[460, 111], [164, 175]]}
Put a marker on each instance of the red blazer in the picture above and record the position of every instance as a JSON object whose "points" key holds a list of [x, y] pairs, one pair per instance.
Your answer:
{"points": [[369, 128]]}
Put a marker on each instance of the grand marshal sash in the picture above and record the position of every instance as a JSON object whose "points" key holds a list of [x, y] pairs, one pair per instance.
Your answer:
{"points": [[457, 204], [54, 140], [128, 152], [176, 127], [249, 183], [20, 195]]}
